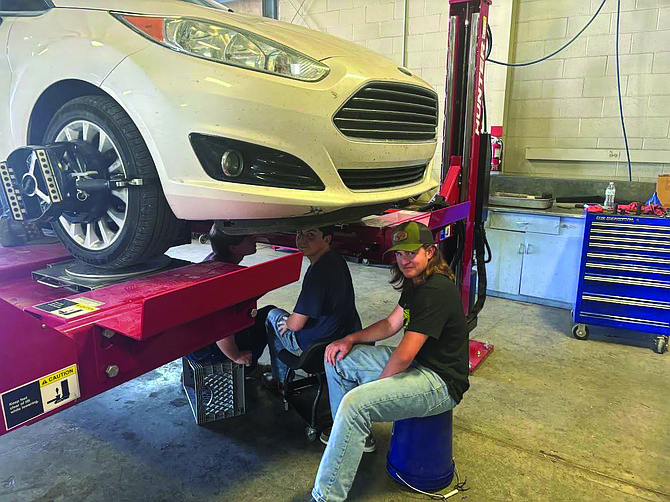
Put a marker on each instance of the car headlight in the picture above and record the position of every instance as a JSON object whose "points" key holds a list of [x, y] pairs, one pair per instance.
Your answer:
{"points": [[226, 44]]}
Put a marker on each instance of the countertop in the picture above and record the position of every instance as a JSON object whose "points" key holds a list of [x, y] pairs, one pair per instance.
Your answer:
{"points": [[552, 211]]}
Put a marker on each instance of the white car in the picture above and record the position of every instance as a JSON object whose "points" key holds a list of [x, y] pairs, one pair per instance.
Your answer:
{"points": [[197, 113]]}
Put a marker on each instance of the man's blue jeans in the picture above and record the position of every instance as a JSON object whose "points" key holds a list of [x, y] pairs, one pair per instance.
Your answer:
{"points": [[277, 342], [358, 398]]}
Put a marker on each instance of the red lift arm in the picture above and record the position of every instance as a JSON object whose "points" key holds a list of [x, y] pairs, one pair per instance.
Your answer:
{"points": [[59, 348]]}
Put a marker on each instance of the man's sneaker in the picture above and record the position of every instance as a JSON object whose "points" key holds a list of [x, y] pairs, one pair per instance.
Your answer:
{"points": [[325, 435], [370, 442], [258, 371], [269, 381]]}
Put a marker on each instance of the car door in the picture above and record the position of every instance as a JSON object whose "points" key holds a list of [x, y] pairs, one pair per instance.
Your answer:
{"points": [[9, 11]]}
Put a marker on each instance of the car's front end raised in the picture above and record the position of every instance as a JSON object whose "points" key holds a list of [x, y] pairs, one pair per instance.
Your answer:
{"points": [[237, 143]]}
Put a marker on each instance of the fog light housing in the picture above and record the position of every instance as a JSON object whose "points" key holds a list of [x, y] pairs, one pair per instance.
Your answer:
{"points": [[232, 163], [235, 161]]}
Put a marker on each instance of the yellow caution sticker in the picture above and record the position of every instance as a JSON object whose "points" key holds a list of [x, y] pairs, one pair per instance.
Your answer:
{"points": [[59, 375], [40, 396], [68, 308]]}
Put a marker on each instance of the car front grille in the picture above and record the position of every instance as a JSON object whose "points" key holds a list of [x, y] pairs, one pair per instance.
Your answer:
{"points": [[389, 111], [367, 179]]}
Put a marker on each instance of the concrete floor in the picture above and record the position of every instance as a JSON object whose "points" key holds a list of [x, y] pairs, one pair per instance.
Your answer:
{"points": [[547, 418]]}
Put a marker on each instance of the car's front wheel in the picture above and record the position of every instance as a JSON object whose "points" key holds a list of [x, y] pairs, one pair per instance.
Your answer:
{"points": [[135, 223]]}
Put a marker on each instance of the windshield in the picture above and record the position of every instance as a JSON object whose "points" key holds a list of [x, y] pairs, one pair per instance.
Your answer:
{"points": [[207, 3]]}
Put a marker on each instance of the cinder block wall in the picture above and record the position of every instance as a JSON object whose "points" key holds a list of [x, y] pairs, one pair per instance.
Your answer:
{"points": [[380, 26], [570, 101]]}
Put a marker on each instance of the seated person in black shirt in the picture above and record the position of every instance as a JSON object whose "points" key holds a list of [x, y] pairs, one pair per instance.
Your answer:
{"points": [[325, 308], [246, 346], [425, 375]]}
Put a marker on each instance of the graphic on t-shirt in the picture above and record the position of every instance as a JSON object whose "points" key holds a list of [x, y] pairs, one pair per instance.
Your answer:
{"points": [[405, 318]]}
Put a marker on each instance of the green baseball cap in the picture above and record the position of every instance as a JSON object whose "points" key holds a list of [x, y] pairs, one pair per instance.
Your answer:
{"points": [[410, 236]]}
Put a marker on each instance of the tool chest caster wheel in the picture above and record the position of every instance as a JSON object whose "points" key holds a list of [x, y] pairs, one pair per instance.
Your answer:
{"points": [[580, 331], [311, 434], [661, 344]]}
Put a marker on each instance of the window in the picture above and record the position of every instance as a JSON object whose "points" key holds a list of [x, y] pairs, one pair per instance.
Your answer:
{"points": [[24, 5], [214, 4]]}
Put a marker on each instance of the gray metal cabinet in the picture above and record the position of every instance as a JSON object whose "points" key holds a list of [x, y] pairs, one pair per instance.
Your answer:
{"points": [[534, 257], [503, 273]]}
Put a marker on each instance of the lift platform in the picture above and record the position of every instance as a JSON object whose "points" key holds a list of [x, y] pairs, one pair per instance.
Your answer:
{"points": [[69, 343]]}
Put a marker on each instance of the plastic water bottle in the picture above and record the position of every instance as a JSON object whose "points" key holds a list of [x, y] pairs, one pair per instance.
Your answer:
{"points": [[610, 191]]}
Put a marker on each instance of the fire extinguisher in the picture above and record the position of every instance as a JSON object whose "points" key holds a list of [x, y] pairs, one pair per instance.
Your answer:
{"points": [[496, 149]]}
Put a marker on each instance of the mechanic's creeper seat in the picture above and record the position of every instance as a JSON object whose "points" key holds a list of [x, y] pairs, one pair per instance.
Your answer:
{"points": [[297, 392]]}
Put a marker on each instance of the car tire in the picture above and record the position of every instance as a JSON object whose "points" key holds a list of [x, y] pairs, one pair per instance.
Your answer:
{"points": [[139, 224]]}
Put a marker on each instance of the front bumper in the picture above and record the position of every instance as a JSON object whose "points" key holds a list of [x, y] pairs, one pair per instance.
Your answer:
{"points": [[171, 95], [315, 220]]}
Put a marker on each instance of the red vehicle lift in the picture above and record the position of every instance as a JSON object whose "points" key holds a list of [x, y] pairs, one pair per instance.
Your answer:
{"points": [[60, 348], [466, 163]]}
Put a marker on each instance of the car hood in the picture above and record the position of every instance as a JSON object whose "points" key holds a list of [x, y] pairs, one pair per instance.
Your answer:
{"points": [[310, 42]]}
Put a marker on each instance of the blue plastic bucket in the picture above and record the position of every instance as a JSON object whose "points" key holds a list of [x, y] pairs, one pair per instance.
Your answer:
{"points": [[420, 452]]}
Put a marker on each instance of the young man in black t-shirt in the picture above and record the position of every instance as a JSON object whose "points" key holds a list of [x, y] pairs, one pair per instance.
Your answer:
{"points": [[325, 308], [426, 374]]}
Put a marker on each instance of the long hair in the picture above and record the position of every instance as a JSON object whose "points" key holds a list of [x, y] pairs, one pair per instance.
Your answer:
{"points": [[436, 265]]}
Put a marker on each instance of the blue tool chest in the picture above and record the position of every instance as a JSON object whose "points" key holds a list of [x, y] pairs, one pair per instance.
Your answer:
{"points": [[624, 278]]}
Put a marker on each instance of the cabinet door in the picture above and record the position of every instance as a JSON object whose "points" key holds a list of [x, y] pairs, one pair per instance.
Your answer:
{"points": [[551, 267], [503, 274]]}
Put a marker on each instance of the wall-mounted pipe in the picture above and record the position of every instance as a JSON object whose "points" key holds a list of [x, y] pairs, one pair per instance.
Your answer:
{"points": [[270, 8], [405, 29]]}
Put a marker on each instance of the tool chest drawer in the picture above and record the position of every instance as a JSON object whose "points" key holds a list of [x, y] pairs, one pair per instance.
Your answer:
{"points": [[624, 278]]}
